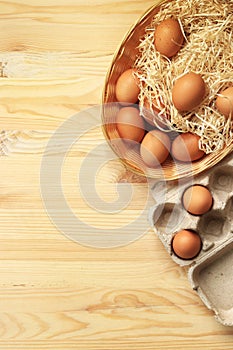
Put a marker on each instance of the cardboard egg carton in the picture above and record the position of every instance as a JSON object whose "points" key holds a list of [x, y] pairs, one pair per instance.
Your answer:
{"points": [[211, 271]]}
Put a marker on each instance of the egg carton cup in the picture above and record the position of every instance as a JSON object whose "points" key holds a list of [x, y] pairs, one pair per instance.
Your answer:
{"points": [[211, 271]]}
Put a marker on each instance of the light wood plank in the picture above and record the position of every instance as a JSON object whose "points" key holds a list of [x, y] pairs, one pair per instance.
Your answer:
{"points": [[56, 294]]}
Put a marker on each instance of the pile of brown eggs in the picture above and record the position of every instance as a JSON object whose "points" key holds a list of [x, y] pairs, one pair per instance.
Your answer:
{"points": [[187, 93]]}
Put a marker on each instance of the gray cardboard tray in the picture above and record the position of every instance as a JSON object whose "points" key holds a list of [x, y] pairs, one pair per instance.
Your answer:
{"points": [[211, 272]]}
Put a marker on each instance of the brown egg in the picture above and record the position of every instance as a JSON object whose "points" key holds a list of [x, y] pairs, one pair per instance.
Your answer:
{"points": [[130, 124], [224, 103], [185, 148], [197, 200], [127, 89], [188, 92], [168, 37], [186, 244], [155, 148], [152, 116]]}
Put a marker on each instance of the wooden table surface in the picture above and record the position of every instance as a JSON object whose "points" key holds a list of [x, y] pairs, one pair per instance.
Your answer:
{"points": [[56, 293]]}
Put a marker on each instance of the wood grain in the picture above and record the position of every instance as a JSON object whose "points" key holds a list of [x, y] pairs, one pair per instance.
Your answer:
{"points": [[55, 293]]}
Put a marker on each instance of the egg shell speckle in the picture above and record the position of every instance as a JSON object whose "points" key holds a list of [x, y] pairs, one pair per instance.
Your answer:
{"points": [[127, 89], [155, 148], [168, 37], [185, 148], [188, 92], [186, 244], [197, 200], [130, 124], [224, 102]]}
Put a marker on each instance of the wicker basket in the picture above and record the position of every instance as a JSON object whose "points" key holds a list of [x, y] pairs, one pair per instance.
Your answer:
{"points": [[124, 59]]}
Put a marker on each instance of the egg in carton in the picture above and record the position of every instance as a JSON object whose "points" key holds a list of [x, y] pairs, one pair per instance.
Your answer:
{"points": [[210, 271]]}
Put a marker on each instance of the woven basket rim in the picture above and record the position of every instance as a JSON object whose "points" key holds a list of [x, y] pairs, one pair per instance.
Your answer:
{"points": [[124, 40]]}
